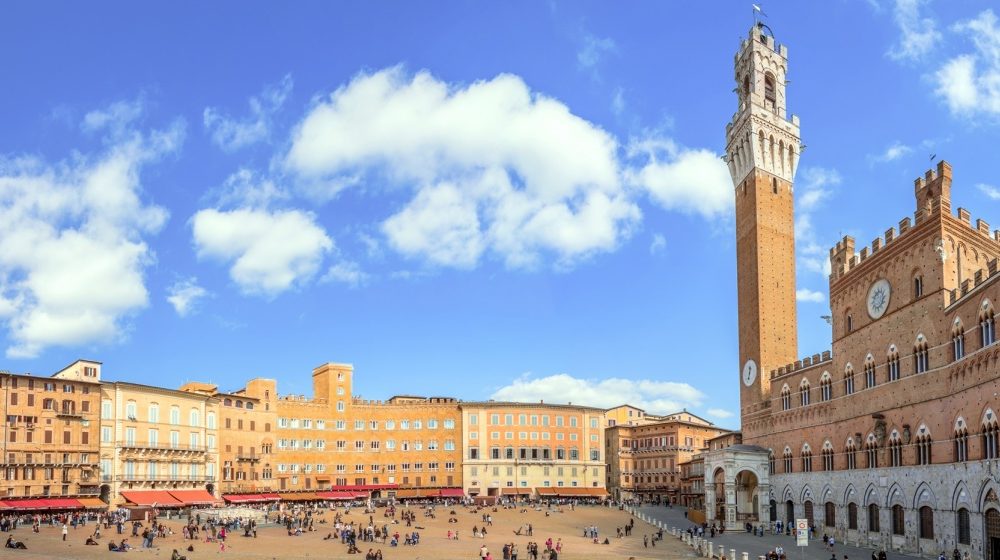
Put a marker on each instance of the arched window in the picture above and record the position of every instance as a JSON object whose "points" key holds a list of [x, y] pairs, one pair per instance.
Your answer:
{"points": [[194, 417], [827, 456], [961, 441], [786, 398], [746, 86], [807, 458], [895, 450], [892, 363], [774, 186], [957, 340], [830, 515], [154, 413], [210, 420], [175, 415], [987, 326], [851, 454], [964, 536], [770, 461], [227, 402], [918, 286], [990, 436], [770, 95], [825, 387], [849, 380], [871, 452], [788, 460], [869, 372], [852, 516], [921, 362], [130, 410], [249, 405], [898, 521], [873, 524], [804, 392], [850, 323], [924, 445], [926, 522]]}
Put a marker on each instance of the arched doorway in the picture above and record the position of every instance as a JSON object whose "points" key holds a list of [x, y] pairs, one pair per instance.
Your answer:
{"points": [[992, 543], [774, 511], [808, 507], [747, 501], [106, 493], [789, 513], [719, 483], [210, 488]]}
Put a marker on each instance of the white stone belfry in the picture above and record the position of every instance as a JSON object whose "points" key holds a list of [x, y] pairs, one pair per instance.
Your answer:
{"points": [[760, 135]]}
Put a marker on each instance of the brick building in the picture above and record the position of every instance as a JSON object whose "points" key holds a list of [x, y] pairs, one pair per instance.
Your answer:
{"points": [[889, 438], [50, 436], [644, 457]]}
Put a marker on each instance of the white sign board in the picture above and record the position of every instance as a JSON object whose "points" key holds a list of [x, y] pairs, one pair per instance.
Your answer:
{"points": [[801, 532]]}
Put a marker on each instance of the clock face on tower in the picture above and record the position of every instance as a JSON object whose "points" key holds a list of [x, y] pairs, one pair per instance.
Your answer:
{"points": [[878, 298], [749, 372]]}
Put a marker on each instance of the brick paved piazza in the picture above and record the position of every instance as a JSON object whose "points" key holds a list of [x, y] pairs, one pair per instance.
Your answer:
{"points": [[273, 541]]}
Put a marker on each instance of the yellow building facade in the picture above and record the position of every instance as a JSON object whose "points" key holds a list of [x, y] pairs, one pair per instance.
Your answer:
{"points": [[155, 439], [532, 449]]}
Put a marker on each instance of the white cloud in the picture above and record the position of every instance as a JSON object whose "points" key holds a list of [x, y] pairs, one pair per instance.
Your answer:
{"points": [[658, 245], [687, 180], [268, 251], [346, 272], [656, 397], [719, 413], [231, 133], [618, 104], [918, 34], [895, 151], [815, 186], [805, 294], [970, 83], [990, 191], [115, 118], [592, 51], [184, 295], [73, 249], [495, 168]]}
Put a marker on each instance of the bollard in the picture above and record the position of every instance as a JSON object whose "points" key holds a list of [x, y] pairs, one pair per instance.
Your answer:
{"points": [[711, 549], [746, 556], [732, 553], [762, 557]]}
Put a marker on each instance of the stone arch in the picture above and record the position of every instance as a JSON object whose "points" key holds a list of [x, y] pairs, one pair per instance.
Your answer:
{"points": [[786, 495], [984, 308], [825, 377], [827, 494], [961, 497], [806, 494], [924, 496], [806, 448], [988, 495], [871, 495], [850, 494], [895, 495]]}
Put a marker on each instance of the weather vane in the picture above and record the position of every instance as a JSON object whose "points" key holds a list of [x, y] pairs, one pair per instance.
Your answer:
{"points": [[757, 10]]}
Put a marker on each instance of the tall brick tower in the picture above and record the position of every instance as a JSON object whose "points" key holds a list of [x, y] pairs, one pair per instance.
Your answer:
{"points": [[762, 149]]}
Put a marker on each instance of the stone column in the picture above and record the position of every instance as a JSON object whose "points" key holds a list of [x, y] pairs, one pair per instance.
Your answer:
{"points": [[730, 503]]}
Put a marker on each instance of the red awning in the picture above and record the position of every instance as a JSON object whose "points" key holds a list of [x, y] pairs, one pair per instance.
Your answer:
{"points": [[193, 497], [336, 495], [158, 498], [244, 498], [64, 503], [38, 504], [271, 496], [452, 493]]}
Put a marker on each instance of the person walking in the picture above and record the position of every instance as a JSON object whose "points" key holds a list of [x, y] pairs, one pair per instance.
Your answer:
{"points": [[65, 531]]}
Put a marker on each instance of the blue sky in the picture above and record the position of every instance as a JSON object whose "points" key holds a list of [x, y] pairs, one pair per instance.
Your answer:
{"points": [[510, 200]]}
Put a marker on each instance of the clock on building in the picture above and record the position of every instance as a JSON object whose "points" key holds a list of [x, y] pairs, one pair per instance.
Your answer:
{"points": [[878, 298], [749, 372]]}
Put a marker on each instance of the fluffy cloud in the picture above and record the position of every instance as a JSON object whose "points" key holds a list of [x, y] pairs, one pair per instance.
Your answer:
{"points": [[970, 83], [495, 168], [719, 413], [346, 272], [184, 295], [73, 250], [811, 296], [657, 397], [895, 151], [268, 251], [692, 181], [592, 51], [658, 245], [990, 191], [918, 34], [231, 133]]}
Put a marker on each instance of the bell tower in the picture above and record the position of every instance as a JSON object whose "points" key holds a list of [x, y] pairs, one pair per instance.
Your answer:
{"points": [[762, 150]]}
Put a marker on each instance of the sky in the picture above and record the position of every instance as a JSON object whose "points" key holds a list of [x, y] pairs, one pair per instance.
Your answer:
{"points": [[512, 200]]}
